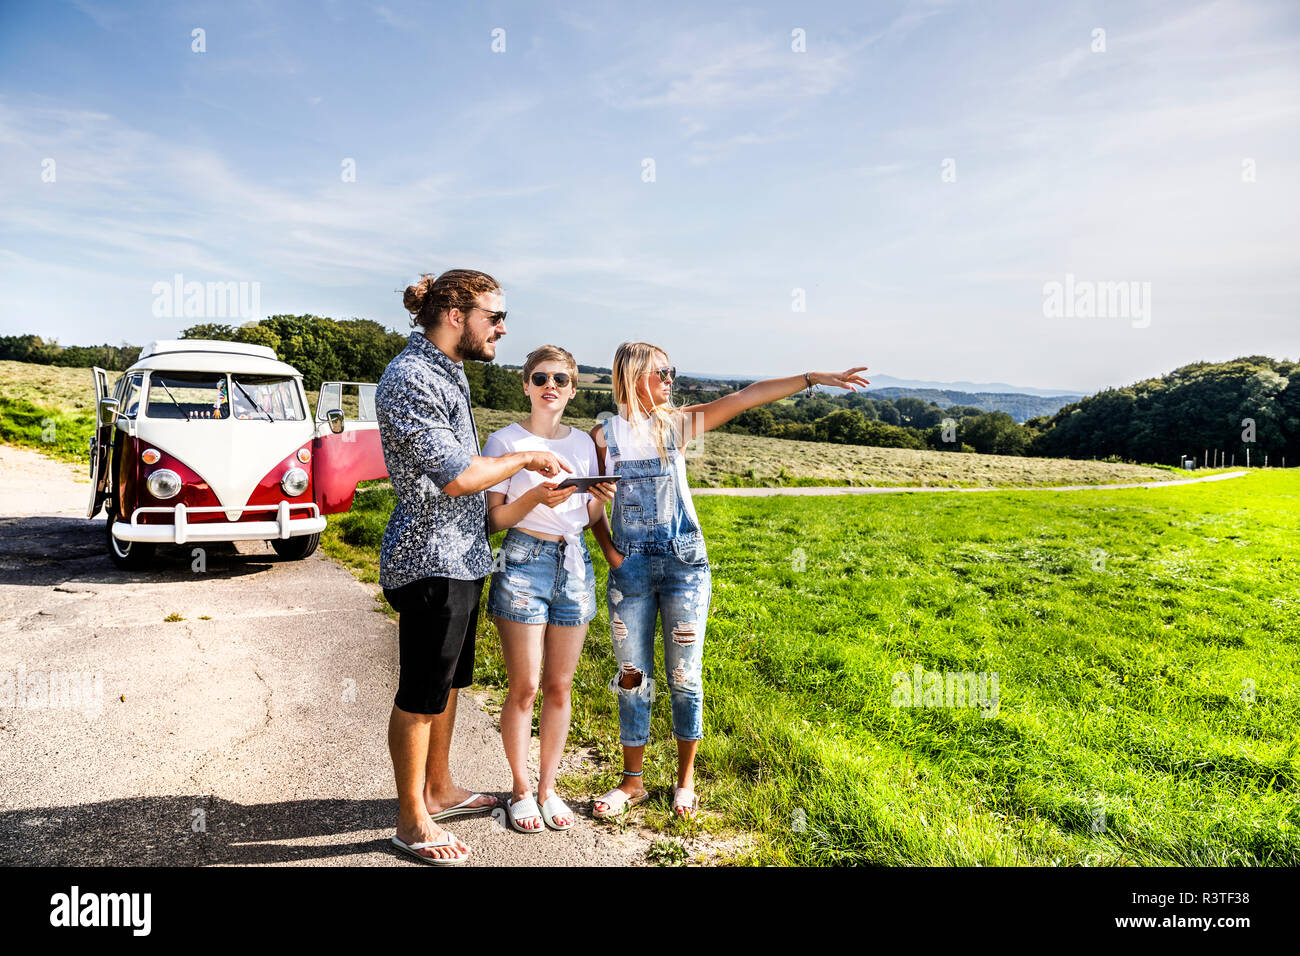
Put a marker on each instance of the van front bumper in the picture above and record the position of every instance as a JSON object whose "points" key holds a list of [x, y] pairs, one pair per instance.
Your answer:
{"points": [[183, 531]]}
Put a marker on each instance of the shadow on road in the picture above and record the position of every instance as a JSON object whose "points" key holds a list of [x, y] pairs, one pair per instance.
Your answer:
{"points": [[41, 551], [160, 831]]}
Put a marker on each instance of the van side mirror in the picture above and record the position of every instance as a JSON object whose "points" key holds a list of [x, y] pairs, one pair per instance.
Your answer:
{"points": [[335, 417], [107, 411]]}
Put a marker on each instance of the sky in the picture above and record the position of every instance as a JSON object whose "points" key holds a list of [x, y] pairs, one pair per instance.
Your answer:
{"points": [[758, 188]]}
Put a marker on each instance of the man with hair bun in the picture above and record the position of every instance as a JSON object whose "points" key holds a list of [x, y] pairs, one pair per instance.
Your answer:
{"points": [[435, 555]]}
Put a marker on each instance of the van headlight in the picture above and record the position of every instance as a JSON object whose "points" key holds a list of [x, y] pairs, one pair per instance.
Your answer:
{"points": [[294, 482], [164, 483]]}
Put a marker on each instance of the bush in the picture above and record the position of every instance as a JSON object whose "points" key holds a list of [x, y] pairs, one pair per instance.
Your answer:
{"points": [[363, 529]]}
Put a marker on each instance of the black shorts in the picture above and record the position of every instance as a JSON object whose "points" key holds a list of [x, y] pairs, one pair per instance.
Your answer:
{"points": [[436, 621]]}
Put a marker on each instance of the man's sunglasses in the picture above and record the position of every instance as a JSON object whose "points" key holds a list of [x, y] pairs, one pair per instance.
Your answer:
{"points": [[541, 378], [494, 317], [666, 373]]}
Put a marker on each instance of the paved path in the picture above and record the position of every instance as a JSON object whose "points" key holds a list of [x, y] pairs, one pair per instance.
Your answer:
{"points": [[855, 490], [262, 714]]}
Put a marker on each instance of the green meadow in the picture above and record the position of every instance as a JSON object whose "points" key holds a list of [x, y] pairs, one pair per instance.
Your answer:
{"points": [[1146, 645]]}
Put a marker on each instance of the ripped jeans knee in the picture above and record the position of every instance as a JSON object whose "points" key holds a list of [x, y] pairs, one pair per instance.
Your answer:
{"points": [[631, 680], [634, 703]]}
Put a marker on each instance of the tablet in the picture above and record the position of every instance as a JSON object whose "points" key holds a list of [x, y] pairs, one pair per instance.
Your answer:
{"points": [[584, 484]]}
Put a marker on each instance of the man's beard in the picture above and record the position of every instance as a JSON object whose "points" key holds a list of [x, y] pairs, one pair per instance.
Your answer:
{"points": [[472, 348]]}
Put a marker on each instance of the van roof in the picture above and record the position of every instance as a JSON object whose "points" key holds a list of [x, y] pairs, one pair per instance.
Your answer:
{"points": [[208, 355], [160, 346]]}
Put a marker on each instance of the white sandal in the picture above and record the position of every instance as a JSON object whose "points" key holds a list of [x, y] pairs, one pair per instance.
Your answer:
{"points": [[465, 806], [447, 839], [522, 810], [617, 803], [685, 799], [555, 807]]}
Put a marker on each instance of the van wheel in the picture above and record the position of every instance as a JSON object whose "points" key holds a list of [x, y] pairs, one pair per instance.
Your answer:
{"points": [[128, 555], [296, 547]]}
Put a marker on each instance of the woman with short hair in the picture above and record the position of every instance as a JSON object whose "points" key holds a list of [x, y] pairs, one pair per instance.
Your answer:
{"points": [[543, 591]]}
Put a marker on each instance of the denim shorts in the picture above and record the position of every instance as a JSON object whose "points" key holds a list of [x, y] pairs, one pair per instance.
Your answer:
{"points": [[534, 587]]}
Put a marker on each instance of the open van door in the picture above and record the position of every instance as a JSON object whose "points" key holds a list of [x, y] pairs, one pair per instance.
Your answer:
{"points": [[346, 449], [101, 444]]}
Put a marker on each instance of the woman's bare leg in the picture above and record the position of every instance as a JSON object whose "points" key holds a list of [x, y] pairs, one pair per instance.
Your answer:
{"points": [[632, 786], [521, 646], [686, 770], [563, 649]]}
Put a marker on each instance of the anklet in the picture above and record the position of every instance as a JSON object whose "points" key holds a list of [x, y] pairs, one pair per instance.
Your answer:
{"points": [[633, 773]]}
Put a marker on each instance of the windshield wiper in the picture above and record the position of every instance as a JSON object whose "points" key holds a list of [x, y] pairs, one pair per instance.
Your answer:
{"points": [[253, 403], [184, 414]]}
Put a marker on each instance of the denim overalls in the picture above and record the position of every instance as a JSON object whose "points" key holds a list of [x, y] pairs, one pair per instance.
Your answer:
{"points": [[665, 572]]}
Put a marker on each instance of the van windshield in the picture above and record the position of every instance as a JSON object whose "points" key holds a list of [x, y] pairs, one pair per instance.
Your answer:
{"points": [[263, 396], [191, 395]]}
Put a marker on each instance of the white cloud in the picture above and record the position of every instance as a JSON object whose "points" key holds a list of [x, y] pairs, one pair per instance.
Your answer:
{"points": [[712, 70]]}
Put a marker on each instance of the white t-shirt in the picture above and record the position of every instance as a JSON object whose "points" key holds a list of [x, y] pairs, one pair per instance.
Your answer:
{"points": [[578, 453], [636, 441]]}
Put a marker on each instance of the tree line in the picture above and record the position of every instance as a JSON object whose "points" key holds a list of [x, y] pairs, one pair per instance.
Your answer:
{"points": [[1247, 404], [856, 418], [33, 348]]}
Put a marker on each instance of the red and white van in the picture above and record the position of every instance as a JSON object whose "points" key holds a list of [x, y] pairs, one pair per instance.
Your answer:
{"points": [[207, 441]]}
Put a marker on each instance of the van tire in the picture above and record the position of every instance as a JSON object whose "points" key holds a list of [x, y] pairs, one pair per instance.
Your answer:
{"points": [[127, 555], [295, 548]]}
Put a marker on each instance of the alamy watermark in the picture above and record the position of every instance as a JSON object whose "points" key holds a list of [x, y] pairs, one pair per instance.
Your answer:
{"points": [[1087, 299], [924, 688], [53, 690], [206, 300]]}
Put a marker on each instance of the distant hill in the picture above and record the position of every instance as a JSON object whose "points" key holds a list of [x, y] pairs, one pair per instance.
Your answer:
{"points": [[879, 381], [1018, 405]]}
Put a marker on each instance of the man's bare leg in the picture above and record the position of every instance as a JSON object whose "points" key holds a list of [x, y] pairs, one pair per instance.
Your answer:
{"points": [[408, 745], [440, 790]]}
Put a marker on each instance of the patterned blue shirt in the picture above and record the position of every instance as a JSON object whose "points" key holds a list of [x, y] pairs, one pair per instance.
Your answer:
{"points": [[428, 434]]}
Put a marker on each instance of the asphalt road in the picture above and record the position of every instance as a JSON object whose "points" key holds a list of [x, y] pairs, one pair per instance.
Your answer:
{"points": [[250, 732]]}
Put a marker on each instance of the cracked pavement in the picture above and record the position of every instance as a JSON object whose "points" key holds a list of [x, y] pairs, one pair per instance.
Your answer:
{"points": [[250, 732]]}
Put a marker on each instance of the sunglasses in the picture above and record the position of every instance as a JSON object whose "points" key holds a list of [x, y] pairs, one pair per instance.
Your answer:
{"points": [[666, 373], [541, 378], [493, 317]]}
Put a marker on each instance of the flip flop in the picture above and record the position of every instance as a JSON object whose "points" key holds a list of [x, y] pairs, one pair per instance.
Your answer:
{"points": [[618, 802], [527, 807], [447, 839], [464, 807], [555, 807]]}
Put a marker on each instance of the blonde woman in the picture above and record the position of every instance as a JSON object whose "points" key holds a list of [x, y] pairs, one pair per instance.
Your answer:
{"points": [[659, 567], [545, 596]]}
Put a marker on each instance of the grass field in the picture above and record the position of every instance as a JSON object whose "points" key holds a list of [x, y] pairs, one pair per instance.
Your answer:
{"points": [[1146, 644], [33, 396]]}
